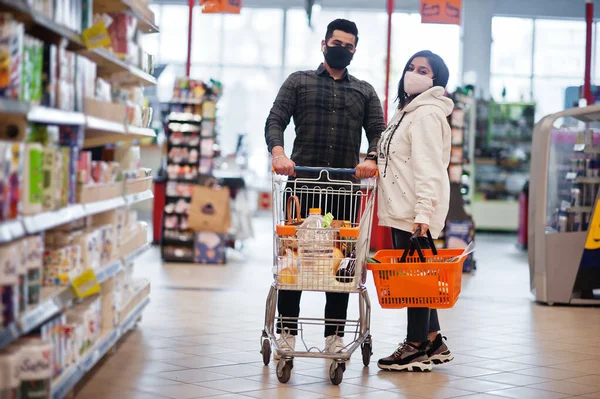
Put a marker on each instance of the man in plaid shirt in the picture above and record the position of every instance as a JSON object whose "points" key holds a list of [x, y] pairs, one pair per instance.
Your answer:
{"points": [[330, 108]]}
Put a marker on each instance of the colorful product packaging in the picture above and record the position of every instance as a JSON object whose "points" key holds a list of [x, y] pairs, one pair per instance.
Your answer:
{"points": [[5, 158], [15, 181], [10, 373], [9, 299], [33, 188], [36, 369], [35, 264]]}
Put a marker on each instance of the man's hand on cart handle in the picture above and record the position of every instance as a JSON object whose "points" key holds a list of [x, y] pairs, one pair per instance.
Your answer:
{"points": [[367, 168], [422, 228], [282, 165]]}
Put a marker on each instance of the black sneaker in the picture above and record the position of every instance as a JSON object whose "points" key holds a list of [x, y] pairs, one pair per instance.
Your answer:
{"points": [[438, 352], [407, 358]]}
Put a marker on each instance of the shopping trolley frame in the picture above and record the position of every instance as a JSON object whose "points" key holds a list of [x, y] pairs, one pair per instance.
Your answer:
{"points": [[323, 188]]}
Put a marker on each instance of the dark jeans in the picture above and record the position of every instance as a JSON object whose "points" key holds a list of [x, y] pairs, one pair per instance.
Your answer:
{"points": [[421, 321], [343, 207]]}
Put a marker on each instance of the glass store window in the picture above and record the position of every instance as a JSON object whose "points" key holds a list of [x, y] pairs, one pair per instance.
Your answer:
{"points": [[173, 36], [253, 38]]}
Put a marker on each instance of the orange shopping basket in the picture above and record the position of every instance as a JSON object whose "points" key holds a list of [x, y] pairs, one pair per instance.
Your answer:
{"points": [[428, 279]]}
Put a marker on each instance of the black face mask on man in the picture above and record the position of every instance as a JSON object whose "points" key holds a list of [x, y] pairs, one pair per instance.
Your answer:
{"points": [[338, 57]]}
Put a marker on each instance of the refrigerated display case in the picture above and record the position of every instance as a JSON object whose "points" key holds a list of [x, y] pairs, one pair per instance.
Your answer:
{"points": [[564, 208], [502, 158]]}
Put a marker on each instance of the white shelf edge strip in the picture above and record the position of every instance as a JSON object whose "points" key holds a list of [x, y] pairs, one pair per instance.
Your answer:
{"points": [[55, 116], [62, 386], [94, 123], [15, 229]]}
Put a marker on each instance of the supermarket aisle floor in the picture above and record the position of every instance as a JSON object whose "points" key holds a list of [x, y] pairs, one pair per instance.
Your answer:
{"points": [[200, 338]]}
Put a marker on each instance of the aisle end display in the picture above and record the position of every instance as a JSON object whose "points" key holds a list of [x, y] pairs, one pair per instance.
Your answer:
{"points": [[191, 140]]}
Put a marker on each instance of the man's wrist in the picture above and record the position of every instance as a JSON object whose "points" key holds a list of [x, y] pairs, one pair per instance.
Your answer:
{"points": [[371, 157]]}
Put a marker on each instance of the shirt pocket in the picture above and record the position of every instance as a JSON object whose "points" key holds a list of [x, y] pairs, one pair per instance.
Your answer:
{"points": [[354, 105], [308, 97]]}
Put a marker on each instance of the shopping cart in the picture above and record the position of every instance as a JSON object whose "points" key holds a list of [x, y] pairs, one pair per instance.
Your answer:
{"points": [[331, 259]]}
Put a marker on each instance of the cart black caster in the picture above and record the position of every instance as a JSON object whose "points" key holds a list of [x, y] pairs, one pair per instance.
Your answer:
{"points": [[266, 351], [367, 351], [336, 373], [284, 371]]}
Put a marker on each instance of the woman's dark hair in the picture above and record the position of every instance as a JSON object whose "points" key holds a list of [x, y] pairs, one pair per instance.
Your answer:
{"points": [[345, 26], [441, 74]]}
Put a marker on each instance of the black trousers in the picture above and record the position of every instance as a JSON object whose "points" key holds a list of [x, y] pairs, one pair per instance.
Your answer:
{"points": [[332, 199], [421, 321]]}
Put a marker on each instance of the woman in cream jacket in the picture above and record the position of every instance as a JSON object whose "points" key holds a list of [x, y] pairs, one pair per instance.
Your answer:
{"points": [[414, 190]]}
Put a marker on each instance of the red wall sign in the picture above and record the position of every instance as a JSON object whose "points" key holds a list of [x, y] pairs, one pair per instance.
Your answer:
{"points": [[440, 11], [221, 6]]}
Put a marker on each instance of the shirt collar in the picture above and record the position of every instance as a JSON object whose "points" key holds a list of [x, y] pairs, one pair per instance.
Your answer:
{"points": [[322, 71]]}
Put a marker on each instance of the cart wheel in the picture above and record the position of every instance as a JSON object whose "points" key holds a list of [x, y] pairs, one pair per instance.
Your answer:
{"points": [[266, 351], [284, 371], [336, 373], [367, 351]]}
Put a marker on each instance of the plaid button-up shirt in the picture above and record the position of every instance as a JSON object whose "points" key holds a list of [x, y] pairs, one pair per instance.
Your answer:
{"points": [[329, 116]]}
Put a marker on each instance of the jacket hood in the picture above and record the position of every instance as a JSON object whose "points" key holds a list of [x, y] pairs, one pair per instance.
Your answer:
{"points": [[434, 96]]}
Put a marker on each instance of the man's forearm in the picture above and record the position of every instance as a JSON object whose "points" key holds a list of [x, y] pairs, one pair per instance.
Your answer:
{"points": [[277, 151]]}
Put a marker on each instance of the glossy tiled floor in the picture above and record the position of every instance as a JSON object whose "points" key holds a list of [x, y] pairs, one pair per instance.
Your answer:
{"points": [[200, 338]]}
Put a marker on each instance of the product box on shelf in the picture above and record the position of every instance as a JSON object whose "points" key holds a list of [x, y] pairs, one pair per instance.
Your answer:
{"points": [[99, 192], [209, 248], [33, 189], [11, 53], [136, 238], [5, 156], [105, 110], [9, 289], [138, 291], [35, 267], [49, 75]]}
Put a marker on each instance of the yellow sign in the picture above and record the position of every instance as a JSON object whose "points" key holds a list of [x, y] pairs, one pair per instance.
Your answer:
{"points": [[96, 36], [593, 239], [86, 284]]}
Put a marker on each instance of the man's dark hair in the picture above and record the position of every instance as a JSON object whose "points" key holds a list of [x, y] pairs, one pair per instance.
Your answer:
{"points": [[345, 26]]}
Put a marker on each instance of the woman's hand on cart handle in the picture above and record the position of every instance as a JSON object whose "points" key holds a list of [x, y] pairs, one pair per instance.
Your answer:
{"points": [[284, 166], [420, 229]]}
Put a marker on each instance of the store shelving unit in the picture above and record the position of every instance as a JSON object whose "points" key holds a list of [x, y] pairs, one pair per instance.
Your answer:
{"points": [[186, 118], [98, 132], [564, 201], [502, 161]]}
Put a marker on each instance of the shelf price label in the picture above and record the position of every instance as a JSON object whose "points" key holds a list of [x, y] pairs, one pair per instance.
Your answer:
{"points": [[96, 36], [221, 6], [86, 284]]}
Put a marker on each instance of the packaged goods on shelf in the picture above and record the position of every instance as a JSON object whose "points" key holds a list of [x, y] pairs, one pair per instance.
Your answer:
{"points": [[10, 257], [36, 367], [11, 52], [10, 367], [35, 262]]}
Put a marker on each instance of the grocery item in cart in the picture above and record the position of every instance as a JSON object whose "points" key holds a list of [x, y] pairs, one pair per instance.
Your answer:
{"points": [[287, 268]]}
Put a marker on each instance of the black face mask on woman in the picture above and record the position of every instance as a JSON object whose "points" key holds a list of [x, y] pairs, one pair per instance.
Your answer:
{"points": [[338, 57]]}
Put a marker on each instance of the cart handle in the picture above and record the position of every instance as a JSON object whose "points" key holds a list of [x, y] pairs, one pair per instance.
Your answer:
{"points": [[312, 169]]}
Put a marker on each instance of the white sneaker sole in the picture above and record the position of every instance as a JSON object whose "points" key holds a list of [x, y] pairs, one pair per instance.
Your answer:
{"points": [[442, 358], [415, 366]]}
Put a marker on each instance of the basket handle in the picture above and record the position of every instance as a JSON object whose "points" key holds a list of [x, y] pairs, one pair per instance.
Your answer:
{"points": [[414, 245], [289, 209]]}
